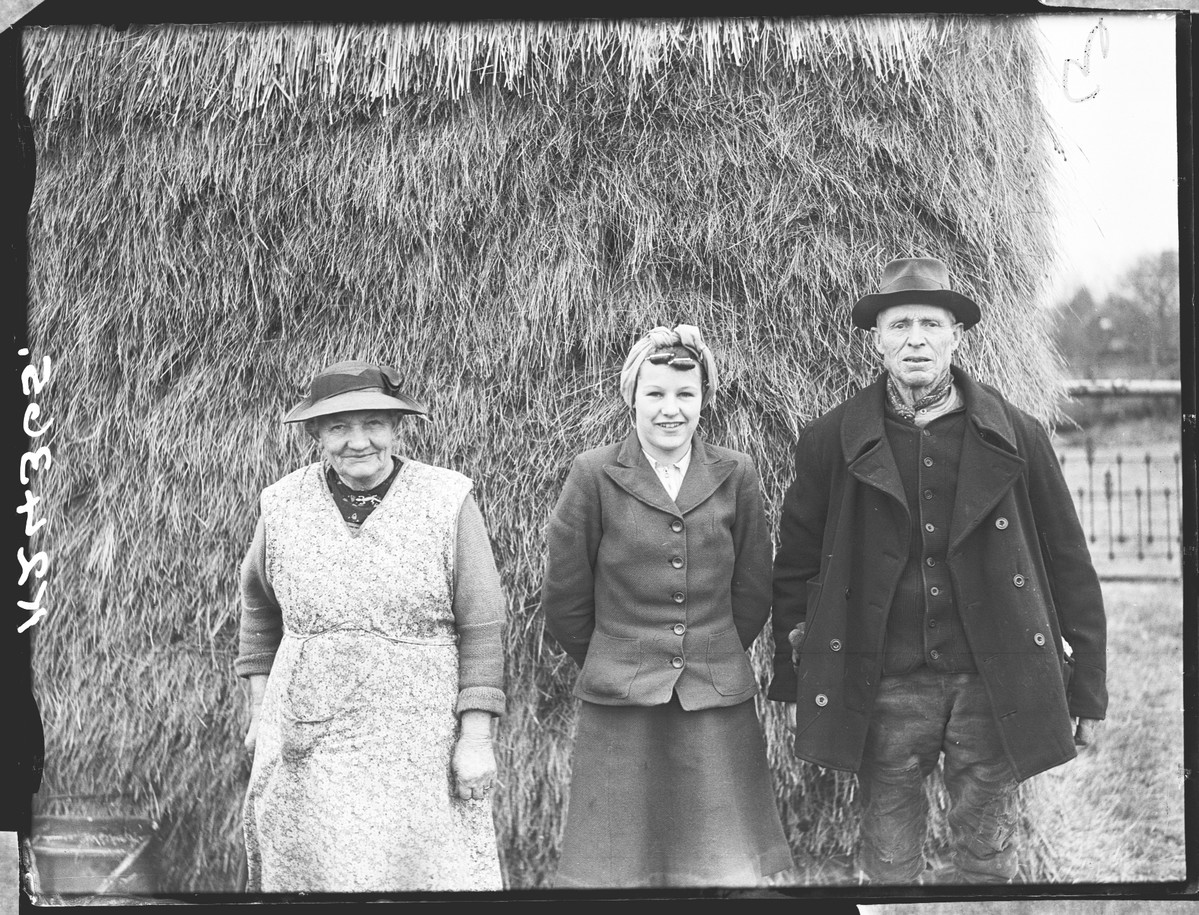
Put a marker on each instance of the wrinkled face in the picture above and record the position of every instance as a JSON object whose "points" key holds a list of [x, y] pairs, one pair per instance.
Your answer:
{"points": [[916, 342], [358, 443], [666, 406]]}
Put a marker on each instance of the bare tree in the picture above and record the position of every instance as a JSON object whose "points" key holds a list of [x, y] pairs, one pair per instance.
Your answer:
{"points": [[1146, 307]]}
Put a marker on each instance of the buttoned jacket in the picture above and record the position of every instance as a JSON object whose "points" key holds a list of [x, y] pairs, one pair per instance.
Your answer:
{"points": [[1020, 569], [651, 595]]}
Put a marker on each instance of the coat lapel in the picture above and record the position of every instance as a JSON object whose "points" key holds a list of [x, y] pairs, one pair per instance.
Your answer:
{"points": [[704, 475], [864, 442], [989, 465], [633, 473]]}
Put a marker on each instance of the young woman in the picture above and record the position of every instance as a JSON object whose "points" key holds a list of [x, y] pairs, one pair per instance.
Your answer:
{"points": [[657, 580]]}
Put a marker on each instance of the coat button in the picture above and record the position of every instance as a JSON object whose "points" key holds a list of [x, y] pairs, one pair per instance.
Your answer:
{"points": [[934, 590], [928, 462], [679, 628], [677, 562], [835, 644], [928, 494], [1001, 523], [821, 700], [1039, 639], [934, 654], [930, 561], [1018, 581], [932, 624], [676, 525], [848, 591], [929, 528], [676, 663], [677, 597]]}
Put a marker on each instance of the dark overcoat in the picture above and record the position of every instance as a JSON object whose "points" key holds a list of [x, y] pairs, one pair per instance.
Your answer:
{"points": [[1018, 559], [651, 595]]}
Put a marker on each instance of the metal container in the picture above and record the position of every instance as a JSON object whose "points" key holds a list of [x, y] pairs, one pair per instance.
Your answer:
{"points": [[94, 855]]}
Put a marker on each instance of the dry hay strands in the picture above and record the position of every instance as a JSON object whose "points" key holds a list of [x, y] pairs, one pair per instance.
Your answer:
{"points": [[309, 70]]}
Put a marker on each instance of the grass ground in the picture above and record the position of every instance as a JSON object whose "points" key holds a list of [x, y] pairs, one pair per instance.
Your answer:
{"points": [[1115, 814]]}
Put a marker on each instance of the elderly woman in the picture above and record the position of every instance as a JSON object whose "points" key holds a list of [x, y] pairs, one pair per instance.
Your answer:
{"points": [[370, 635], [656, 582]]}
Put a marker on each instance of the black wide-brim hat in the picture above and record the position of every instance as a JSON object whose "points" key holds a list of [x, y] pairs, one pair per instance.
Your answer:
{"points": [[354, 385], [915, 281]]}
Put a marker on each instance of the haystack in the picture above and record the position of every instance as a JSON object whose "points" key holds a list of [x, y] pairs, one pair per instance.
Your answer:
{"points": [[500, 209]]}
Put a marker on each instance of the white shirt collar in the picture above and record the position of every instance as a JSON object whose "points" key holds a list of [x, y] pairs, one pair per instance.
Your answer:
{"points": [[670, 475], [681, 464]]}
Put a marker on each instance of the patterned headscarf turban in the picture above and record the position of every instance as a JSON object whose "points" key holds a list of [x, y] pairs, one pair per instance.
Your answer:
{"points": [[664, 338]]}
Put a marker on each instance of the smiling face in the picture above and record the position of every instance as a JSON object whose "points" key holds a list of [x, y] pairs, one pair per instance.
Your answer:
{"points": [[358, 444], [666, 404], [917, 343]]}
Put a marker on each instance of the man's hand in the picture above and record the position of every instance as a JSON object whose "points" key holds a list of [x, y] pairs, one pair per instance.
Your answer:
{"points": [[473, 762], [795, 637], [1087, 732]]}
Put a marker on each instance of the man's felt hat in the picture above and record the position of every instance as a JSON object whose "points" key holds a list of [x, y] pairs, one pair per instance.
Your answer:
{"points": [[915, 281]]}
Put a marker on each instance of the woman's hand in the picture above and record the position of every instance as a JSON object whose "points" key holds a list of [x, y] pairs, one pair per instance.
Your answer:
{"points": [[473, 762], [257, 691]]}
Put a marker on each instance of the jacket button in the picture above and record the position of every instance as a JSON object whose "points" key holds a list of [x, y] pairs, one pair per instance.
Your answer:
{"points": [[1018, 581], [676, 525], [932, 624], [928, 494], [835, 644], [821, 700], [848, 591], [677, 562], [928, 462], [930, 561], [677, 597], [1001, 523], [929, 528], [934, 590], [934, 654], [676, 663], [679, 628], [1039, 639]]}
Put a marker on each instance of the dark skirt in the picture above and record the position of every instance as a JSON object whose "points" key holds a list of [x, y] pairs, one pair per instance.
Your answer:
{"points": [[660, 796]]}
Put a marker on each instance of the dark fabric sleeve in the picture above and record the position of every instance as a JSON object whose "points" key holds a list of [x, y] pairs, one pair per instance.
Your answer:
{"points": [[797, 560], [751, 558], [261, 628], [1074, 583], [479, 616], [572, 544]]}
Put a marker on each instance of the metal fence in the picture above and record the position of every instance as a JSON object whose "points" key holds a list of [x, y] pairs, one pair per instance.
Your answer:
{"points": [[1129, 496]]}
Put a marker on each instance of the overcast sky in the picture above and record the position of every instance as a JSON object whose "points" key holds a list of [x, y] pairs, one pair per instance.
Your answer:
{"points": [[1119, 177]]}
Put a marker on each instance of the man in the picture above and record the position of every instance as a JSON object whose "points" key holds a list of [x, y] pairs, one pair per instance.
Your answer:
{"points": [[930, 563]]}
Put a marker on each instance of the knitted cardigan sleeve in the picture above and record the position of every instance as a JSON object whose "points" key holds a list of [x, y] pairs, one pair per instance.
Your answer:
{"points": [[480, 615], [261, 619]]}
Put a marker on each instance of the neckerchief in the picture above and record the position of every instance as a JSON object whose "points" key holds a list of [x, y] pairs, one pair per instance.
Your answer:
{"points": [[356, 505], [936, 397]]}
